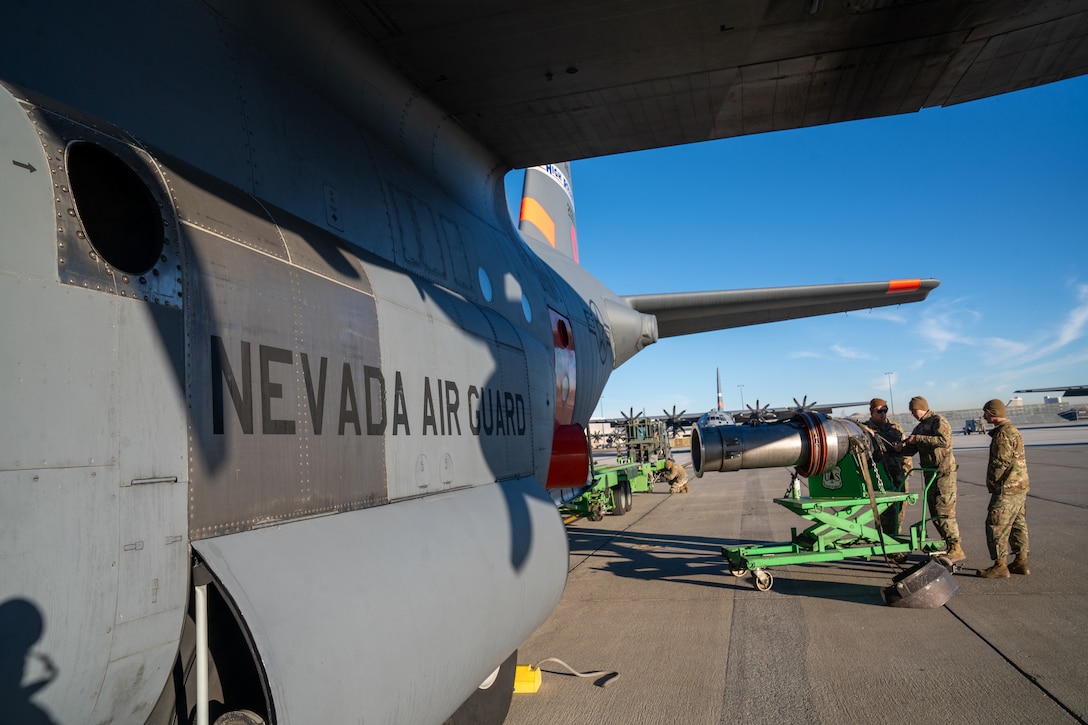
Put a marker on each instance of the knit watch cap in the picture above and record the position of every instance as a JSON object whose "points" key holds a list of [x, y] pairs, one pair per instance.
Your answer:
{"points": [[995, 408], [919, 403]]}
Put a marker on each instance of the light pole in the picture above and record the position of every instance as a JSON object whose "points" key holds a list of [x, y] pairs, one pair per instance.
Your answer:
{"points": [[891, 399], [741, 396]]}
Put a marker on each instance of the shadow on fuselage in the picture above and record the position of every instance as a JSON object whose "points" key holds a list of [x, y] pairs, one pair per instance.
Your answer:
{"points": [[21, 626]]}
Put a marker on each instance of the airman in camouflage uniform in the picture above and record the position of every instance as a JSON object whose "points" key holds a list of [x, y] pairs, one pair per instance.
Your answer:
{"points": [[1007, 482], [676, 476], [889, 435], [931, 439]]}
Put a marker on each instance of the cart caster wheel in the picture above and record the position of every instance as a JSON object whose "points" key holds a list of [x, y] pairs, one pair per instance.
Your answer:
{"points": [[737, 570], [762, 579], [946, 563], [595, 516]]}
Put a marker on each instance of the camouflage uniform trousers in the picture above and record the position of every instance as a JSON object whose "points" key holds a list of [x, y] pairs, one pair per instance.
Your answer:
{"points": [[941, 502], [1006, 524]]}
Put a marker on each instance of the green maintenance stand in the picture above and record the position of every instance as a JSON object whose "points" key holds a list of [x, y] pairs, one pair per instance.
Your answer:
{"points": [[844, 527]]}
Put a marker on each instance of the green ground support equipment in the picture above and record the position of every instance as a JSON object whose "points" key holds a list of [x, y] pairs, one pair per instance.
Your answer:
{"points": [[849, 490], [846, 522], [641, 454]]}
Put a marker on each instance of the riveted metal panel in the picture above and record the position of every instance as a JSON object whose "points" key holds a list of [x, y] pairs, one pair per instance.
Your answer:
{"points": [[42, 564], [223, 210], [95, 397], [26, 202], [285, 386], [73, 368], [79, 262], [461, 405]]}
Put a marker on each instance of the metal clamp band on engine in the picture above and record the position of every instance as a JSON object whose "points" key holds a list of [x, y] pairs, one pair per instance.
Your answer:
{"points": [[817, 444]]}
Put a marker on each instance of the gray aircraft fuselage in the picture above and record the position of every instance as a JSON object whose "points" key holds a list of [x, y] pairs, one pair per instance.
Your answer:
{"points": [[313, 358], [270, 336]]}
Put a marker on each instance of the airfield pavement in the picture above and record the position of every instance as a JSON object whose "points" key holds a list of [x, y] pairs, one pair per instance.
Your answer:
{"points": [[650, 596]]}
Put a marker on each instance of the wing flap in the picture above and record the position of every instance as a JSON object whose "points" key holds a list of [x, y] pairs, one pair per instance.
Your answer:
{"points": [[684, 313]]}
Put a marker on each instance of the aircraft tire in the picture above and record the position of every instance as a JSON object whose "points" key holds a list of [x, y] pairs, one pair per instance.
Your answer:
{"points": [[490, 706]]}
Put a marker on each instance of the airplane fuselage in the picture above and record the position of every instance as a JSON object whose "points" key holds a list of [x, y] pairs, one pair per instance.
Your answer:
{"points": [[322, 373]]}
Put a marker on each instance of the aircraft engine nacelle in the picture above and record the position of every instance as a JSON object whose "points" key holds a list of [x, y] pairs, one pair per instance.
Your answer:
{"points": [[809, 441]]}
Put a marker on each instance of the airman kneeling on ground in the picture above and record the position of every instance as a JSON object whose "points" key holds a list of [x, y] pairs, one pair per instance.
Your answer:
{"points": [[676, 476]]}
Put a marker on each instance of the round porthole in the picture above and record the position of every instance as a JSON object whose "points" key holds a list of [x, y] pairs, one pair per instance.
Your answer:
{"points": [[564, 335], [485, 284], [116, 208]]}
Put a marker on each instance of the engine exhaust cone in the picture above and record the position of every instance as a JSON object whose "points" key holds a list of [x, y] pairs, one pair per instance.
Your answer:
{"points": [[927, 585]]}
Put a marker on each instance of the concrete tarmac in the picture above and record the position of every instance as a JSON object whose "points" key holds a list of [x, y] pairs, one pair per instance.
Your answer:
{"points": [[649, 596]]}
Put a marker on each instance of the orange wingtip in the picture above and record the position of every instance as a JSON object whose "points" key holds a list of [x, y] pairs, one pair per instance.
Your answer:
{"points": [[903, 285]]}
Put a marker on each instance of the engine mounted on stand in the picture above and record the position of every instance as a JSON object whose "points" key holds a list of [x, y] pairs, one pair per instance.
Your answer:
{"points": [[849, 490]]}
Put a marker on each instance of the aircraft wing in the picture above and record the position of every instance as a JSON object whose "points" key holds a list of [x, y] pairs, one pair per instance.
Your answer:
{"points": [[1067, 391], [541, 82], [683, 313]]}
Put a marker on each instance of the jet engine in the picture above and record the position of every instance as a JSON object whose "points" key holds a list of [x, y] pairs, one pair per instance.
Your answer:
{"points": [[809, 441]]}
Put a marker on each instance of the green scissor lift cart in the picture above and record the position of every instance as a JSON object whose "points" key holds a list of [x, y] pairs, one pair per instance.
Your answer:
{"points": [[846, 522]]}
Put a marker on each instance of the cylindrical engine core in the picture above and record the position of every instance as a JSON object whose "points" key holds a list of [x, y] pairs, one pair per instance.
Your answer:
{"points": [[809, 441]]}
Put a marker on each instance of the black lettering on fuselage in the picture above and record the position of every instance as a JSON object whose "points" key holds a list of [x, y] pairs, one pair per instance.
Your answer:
{"points": [[349, 406], [473, 413], [487, 413], [317, 401], [270, 390], [490, 411], [441, 418], [428, 408], [453, 402], [495, 401], [509, 399], [242, 396], [400, 408], [373, 376]]}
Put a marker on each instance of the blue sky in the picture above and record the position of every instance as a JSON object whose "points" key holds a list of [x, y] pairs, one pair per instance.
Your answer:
{"points": [[989, 197]]}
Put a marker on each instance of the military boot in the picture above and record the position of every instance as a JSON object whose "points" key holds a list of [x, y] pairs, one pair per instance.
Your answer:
{"points": [[955, 552], [998, 571], [1020, 564]]}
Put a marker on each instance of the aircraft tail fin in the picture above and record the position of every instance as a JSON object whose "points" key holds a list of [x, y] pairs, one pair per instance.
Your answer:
{"points": [[547, 208]]}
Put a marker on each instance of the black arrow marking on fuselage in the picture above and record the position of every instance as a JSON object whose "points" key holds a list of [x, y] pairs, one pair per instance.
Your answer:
{"points": [[28, 167]]}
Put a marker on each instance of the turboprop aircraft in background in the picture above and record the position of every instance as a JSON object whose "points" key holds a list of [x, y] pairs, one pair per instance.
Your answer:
{"points": [[682, 420], [284, 389]]}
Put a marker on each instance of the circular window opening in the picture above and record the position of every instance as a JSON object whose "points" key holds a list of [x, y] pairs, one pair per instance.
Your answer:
{"points": [[564, 336], [117, 209], [485, 284]]}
